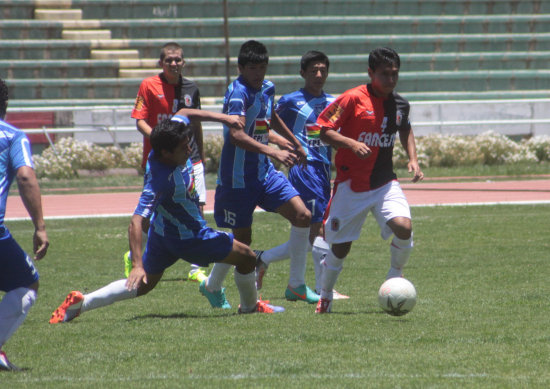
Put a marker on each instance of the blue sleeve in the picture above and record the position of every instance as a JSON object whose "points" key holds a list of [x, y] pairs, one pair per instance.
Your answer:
{"points": [[236, 102], [148, 199], [20, 151]]}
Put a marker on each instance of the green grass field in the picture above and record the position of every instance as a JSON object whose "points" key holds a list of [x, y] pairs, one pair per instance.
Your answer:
{"points": [[481, 320]]}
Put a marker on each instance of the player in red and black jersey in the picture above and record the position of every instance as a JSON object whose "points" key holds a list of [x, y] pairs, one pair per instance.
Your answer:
{"points": [[363, 124]]}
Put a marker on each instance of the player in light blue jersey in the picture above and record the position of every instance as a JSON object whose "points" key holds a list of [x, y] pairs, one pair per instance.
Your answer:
{"points": [[299, 110], [18, 274], [177, 229], [246, 176]]}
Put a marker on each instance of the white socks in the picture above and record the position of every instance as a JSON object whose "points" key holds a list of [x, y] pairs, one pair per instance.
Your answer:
{"points": [[400, 250], [319, 252], [111, 293], [217, 276], [246, 284], [298, 243], [332, 266], [277, 253], [14, 307]]}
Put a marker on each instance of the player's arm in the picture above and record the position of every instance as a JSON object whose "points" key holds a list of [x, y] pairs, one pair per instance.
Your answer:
{"points": [[29, 190], [200, 115], [409, 144], [241, 139], [144, 127], [281, 128], [279, 141], [337, 140]]}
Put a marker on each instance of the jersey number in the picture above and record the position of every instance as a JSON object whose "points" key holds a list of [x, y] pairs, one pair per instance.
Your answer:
{"points": [[229, 217]]}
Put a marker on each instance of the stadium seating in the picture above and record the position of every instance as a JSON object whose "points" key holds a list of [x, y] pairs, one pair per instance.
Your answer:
{"points": [[86, 51]]}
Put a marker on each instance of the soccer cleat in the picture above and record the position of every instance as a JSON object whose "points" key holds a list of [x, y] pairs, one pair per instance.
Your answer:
{"points": [[217, 299], [264, 307], [301, 293], [197, 275], [127, 264], [261, 268], [69, 309], [324, 306], [336, 295], [5, 363]]}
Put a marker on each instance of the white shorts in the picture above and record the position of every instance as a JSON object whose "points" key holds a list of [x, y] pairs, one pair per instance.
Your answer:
{"points": [[200, 182], [348, 210]]}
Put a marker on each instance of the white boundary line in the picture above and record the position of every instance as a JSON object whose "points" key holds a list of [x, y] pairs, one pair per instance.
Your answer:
{"points": [[96, 216]]}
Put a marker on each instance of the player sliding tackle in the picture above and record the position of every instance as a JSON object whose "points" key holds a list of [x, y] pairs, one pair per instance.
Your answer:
{"points": [[177, 227]]}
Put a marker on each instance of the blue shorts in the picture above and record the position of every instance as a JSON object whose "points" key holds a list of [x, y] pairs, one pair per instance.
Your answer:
{"points": [[313, 184], [17, 268], [233, 208], [207, 247]]}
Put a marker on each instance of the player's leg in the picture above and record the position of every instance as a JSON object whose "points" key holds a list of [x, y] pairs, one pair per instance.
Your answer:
{"points": [[19, 279], [244, 260], [344, 219], [394, 217]]}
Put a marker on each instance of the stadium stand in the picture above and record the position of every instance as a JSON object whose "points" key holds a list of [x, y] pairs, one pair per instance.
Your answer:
{"points": [[95, 52]]}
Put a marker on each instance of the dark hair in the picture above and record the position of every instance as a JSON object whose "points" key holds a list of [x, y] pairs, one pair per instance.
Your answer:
{"points": [[313, 56], [169, 46], [253, 52], [383, 56], [168, 134], [3, 99]]}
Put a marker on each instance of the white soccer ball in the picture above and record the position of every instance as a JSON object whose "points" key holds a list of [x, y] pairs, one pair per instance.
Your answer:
{"points": [[397, 296]]}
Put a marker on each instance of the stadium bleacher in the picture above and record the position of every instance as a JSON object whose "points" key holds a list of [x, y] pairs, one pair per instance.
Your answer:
{"points": [[90, 51]]}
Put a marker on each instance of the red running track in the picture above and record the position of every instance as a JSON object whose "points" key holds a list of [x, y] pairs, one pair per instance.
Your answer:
{"points": [[420, 194]]}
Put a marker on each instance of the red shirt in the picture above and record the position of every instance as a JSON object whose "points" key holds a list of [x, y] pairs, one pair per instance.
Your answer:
{"points": [[364, 117], [155, 102]]}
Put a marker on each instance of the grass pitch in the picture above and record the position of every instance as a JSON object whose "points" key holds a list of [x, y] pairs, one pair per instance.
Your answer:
{"points": [[481, 320]]}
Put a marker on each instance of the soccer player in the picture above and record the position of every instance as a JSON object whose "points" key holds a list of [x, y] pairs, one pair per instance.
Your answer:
{"points": [[18, 274], [159, 97], [299, 111], [247, 178], [362, 124], [178, 229]]}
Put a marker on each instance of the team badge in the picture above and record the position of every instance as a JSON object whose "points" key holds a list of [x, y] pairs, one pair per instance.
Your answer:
{"points": [[398, 118], [188, 101], [334, 112], [335, 224], [139, 103]]}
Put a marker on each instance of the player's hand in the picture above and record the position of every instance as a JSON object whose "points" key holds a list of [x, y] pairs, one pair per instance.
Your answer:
{"points": [[136, 278], [414, 168], [234, 121], [301, 156], [40, 244], [286, 157], [361, 150]]}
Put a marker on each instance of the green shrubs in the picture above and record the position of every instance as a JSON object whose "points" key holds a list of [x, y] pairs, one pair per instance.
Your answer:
{"points": [[435, 150]]}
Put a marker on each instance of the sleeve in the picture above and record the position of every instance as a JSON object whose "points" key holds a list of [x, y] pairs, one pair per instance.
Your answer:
{"points": [[141, 110], [197, 99], [148, 199], [402, 114], [20, 151], [236, 102], [336, 113]]}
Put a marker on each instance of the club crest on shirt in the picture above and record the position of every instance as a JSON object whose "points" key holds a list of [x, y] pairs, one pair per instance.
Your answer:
{"points": [[334, 112], [398, 118], [139, 103], [188, 101]]}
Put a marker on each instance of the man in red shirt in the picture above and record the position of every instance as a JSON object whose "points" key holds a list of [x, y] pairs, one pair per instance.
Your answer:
{"points": [[363, 124]]}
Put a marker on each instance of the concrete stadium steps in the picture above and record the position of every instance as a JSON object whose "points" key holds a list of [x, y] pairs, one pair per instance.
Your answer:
{"points": [[281, 46], [277, 25], [120, 88]]}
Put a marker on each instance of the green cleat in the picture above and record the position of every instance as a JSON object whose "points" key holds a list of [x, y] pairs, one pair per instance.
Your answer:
{"points": [[197, 275], [127, 264], [217, 299], [302, 293]]}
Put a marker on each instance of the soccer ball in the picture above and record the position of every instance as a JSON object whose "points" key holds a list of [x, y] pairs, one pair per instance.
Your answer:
{"points": [[397, 296]]}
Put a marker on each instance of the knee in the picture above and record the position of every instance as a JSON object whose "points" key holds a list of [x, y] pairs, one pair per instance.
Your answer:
{"points": [[302, 218], [401, 227], [248, 263]]}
